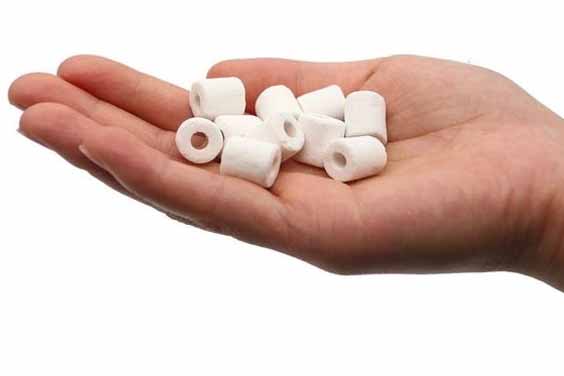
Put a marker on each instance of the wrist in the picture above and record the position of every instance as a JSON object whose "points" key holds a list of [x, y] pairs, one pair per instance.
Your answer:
{"points": [[546, 261]]}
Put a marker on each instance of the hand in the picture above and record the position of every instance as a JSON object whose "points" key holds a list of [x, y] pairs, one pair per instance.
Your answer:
{"points": [[474, 180]]}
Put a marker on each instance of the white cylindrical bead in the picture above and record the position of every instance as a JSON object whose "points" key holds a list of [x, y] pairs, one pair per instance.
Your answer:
{"points": [[237, 125], [218, 96], [281, 129], [354, 158], [365, 115], [276, 99], [250, 159], [328, 101], [210, 137], [319, 131]]}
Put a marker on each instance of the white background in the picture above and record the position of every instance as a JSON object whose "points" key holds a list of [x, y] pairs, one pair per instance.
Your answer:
{"points": [[92, 283]]}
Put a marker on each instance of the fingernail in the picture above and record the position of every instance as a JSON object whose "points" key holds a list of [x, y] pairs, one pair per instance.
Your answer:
{"points": [[87, 154]]}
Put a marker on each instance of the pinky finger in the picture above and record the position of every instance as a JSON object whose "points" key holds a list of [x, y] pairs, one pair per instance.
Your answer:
{"points": [[214, 202], [61, 129]]}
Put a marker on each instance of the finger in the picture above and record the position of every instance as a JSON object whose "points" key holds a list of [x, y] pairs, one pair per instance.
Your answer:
{"points": [[223, 204], [160, 103], [34, 88], [62, 129], [300, 77]]}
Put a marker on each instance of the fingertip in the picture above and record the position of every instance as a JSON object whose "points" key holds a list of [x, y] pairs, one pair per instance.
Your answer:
{"points": [[13, 91], [246, 68], [77, 65], [54, 126], [220, 69], [235, 67], [29, 116], [24, 89], [40, 118]]}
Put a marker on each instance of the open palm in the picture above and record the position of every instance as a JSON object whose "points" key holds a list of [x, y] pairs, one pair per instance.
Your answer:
{"points": [[468, 150]]}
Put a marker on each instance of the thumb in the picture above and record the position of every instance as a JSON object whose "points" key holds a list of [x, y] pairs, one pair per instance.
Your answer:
{"points": [[301, 77]]}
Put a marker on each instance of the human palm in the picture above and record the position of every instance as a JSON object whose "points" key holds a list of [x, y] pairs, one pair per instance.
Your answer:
{"points": [[472, 181]]}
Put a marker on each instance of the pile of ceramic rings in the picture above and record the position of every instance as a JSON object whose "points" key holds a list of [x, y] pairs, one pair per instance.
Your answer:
{"points": [[345, 136]]}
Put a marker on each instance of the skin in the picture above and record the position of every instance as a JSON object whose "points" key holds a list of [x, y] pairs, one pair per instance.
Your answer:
{"points": [[474, 181]]}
